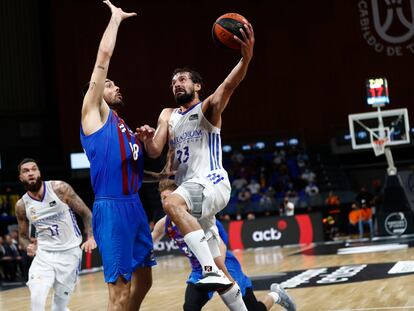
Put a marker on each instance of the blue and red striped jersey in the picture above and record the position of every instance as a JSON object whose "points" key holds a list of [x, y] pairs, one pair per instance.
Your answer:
{"points": [[116, 158], [174, 234]]}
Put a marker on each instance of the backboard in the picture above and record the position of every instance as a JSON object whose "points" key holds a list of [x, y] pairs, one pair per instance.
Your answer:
{"points": [[392, 125]]}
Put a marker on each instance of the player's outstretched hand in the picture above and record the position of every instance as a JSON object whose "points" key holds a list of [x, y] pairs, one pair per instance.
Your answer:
{"points": [[145, 133], [247, 43], [31, 249], [89, 245], [118, 11]]}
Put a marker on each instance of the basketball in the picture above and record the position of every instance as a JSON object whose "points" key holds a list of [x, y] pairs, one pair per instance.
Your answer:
{"points": [[225, 27]]}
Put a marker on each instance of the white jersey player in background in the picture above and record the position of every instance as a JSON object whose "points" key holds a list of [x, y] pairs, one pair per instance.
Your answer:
{"points": [[49, 206], [193, 133]]}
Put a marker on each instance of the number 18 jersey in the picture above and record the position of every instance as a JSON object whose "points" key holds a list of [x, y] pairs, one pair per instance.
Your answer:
{"points": [[116, 159], [54, 220], [197, 146]]}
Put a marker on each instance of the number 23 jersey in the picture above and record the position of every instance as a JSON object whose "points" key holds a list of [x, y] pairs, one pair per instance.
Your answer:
{"points": [[54, 220], [197, 146]]}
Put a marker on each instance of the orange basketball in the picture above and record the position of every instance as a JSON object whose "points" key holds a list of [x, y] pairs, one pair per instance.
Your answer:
{"points": [[227, 26]]}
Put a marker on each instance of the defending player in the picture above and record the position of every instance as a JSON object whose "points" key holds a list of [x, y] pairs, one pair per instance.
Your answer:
{"points": [[193, 133], [49, 206], [119, 221], [195, 299]]}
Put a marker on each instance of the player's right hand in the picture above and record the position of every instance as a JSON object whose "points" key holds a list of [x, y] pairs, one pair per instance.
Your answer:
{"points": [[31, 249], [145, 133], [89, 245], [247, 43]]}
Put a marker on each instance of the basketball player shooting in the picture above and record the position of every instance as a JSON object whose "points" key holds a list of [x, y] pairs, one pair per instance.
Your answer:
{"points": [[49, 206], [193, 132]]}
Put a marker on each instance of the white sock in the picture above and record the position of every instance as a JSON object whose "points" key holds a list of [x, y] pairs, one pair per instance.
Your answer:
{"points": [[233, 299], [214, 247], [59, 303], [275, 297], [38, 296], [198, 245]]}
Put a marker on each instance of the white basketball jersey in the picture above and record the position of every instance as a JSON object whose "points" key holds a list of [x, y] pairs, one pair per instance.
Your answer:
{"points": [[197, 145], [55, 222]]}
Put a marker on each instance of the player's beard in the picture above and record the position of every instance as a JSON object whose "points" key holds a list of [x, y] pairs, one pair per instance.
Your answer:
{"points": [[182, 99], [33, 187], [116, 105]]}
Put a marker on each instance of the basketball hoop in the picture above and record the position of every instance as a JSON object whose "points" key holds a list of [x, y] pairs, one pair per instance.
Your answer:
{"points": [[379, 145]]}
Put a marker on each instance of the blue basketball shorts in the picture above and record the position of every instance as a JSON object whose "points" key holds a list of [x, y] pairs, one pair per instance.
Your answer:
{"points": [[123, 236], [235, 270]]}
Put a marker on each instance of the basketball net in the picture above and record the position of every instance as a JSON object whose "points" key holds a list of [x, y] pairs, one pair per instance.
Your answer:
{"points": [[379, 145]]}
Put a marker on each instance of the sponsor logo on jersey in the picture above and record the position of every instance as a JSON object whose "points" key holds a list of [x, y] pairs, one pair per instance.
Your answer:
{"points": [[32, 212], [53, 203], [122, 127], [186, 136], [47, 220], [193, 117]]}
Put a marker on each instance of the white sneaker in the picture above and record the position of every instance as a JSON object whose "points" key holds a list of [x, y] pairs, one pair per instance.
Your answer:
{"points": [[213, 281], [284, 299]]}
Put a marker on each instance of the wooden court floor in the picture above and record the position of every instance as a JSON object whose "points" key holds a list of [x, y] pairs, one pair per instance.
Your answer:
{"points": [[170, 275]]}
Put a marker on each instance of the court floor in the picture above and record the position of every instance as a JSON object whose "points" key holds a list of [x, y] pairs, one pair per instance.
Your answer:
{"points": [[335, 276]]}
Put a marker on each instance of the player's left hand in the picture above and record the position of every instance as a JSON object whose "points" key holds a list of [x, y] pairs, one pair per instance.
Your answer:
{"points": [[118, 12], [31, 249], [89, 245], [247, 43], [145, 133]]}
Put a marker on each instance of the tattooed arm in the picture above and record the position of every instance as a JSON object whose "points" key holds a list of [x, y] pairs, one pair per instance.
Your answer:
{"points": [[67, 195], [168, 169], [24, 226]]}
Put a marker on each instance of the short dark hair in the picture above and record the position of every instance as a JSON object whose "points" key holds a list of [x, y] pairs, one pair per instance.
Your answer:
{"points": [[24, 161], [167, 184], [194, 75]]}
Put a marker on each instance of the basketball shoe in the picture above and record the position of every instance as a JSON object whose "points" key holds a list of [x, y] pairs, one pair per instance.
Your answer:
{"points": [[213, 281], [284, 300]]}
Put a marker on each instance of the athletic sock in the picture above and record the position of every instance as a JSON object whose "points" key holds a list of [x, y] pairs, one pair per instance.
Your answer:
{"points": [[38, 295], [197, 243], [233, 299], [275, 297]]}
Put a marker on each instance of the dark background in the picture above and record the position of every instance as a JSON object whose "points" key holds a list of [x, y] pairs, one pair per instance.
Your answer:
{"points": [[308, 72]]}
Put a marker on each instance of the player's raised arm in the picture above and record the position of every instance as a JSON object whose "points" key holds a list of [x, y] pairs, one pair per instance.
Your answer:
{"points": [[66, 194], [217, 102], [23, 224], [94, 110]]}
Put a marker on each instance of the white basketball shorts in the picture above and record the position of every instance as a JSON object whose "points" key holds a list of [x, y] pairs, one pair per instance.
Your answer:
{"points": [[204, 198], [57, 269]]}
